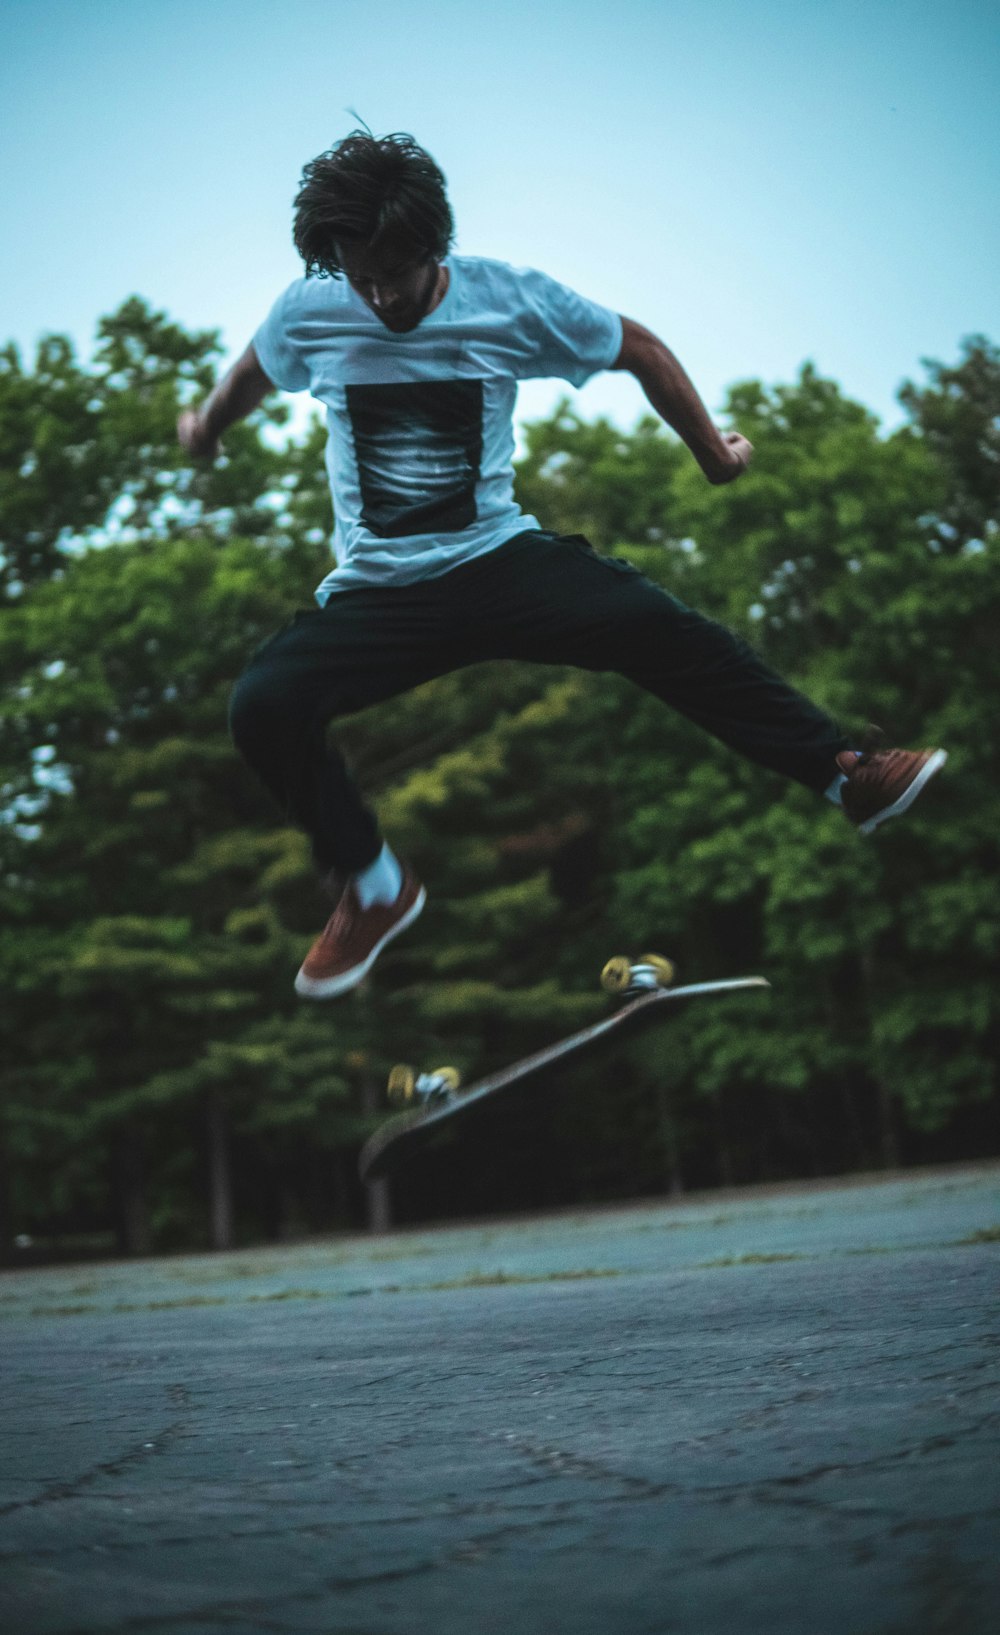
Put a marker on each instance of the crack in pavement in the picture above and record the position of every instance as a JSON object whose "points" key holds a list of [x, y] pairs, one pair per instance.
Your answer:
{"points": [[59, 1492], [137, 1454]]}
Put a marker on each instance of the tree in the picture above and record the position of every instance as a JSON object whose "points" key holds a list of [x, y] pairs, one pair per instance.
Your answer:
{"points": [[589, 477], [958, 416], [139, 834], [89, 454], [166, 1079]]}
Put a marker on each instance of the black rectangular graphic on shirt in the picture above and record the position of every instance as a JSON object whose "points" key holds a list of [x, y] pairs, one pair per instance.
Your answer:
{"points": [[419, 447]]}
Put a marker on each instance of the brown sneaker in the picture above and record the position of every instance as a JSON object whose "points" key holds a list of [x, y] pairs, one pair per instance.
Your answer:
{"points": [[883, 782], [353, 937]]}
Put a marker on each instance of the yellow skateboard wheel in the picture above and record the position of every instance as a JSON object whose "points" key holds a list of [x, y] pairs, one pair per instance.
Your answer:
{"points": [[449, 1077], [402, 1085], [617, 974], [664, 968]]}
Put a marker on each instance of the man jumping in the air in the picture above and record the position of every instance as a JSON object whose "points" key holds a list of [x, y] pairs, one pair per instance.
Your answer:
{"points": [[416, 354]]}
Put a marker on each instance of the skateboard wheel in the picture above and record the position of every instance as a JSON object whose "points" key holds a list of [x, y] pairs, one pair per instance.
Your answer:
{"points": [[617, 974], [449, 1078], [402, 1085], [664, 968]]}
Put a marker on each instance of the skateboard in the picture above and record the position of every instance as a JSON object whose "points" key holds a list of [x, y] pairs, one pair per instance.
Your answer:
{"points": [[426, 1100]]}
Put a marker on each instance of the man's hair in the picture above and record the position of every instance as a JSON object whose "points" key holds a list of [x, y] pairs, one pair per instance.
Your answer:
{"points": [[369, 188]]}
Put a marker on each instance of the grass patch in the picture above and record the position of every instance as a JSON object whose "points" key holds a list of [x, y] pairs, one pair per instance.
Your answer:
{"points": [[474, 1280], [122, 1308], [61, 1311], [499, 1280], [747, 1260], [222, 1272], [289, 1294], [986, 1234]]}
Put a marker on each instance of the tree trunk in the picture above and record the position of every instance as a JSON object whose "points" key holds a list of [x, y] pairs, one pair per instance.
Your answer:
{"points": [[858, 1140], [6, 1219], [341, 1190], [668, 1138], [130, 1191], [841, 1018], [378, 1199], [888, 1135], [221, 1234], [722, 1142], [290, 1223]]}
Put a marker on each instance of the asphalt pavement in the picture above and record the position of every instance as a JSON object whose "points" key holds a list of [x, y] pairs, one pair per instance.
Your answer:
{"points": [[770, 1411]]}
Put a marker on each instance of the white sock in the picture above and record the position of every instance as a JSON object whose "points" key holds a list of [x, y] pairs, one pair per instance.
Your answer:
{"points": [[833, 793], [381, 881]]}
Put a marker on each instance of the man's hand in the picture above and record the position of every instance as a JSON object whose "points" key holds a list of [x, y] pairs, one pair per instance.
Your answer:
{"points": [[238, 393], [739, 452], [193, 437], [723, 456]]}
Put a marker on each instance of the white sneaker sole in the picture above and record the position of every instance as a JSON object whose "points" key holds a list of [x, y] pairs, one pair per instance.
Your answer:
{"points": [[933, 764], [328, 987]]}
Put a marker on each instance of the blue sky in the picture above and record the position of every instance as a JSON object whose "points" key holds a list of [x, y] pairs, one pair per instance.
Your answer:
{"points": [[761, 183]]}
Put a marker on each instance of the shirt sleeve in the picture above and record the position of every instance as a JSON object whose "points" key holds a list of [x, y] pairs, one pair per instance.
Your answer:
{"points": [[275, 345], [572, 337]]}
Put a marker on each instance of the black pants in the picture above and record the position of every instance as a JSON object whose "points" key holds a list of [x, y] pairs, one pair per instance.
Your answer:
{"points": [[539, 597]]}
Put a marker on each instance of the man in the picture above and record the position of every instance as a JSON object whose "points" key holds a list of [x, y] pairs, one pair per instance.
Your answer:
{"points": [[416, 354]]}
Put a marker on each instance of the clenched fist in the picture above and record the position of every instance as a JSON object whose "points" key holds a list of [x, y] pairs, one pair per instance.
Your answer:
{"points": [[193, 437]]}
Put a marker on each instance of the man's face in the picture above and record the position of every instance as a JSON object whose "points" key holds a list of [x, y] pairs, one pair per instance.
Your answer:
{"points": [[398, 282]]}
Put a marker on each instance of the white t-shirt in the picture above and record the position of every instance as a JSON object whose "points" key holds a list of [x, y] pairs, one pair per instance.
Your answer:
{"points": [[421, 434]]}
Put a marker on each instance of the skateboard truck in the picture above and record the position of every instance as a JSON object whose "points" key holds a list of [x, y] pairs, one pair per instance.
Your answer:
{"points": [[407, 1088], [625, 977]]}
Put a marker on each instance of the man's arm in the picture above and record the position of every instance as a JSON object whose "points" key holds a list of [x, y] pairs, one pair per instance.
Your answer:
{"points": [[723, 456], [238, 393]]}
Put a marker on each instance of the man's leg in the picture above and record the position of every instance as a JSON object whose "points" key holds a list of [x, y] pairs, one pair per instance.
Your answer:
{"points": [[553, 599], [363, 647], [556, 601]]}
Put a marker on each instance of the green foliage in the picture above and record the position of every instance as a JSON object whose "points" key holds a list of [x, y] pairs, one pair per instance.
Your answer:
{"points": [[155, 912], [958, 417], [90, 453], [587, 477]]}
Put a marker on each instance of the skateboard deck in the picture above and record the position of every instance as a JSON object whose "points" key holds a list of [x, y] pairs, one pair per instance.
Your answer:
{"points": [[430, 1099]]}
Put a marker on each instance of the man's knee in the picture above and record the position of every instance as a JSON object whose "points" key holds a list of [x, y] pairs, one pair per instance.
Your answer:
{"points": [[261, 710]]}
